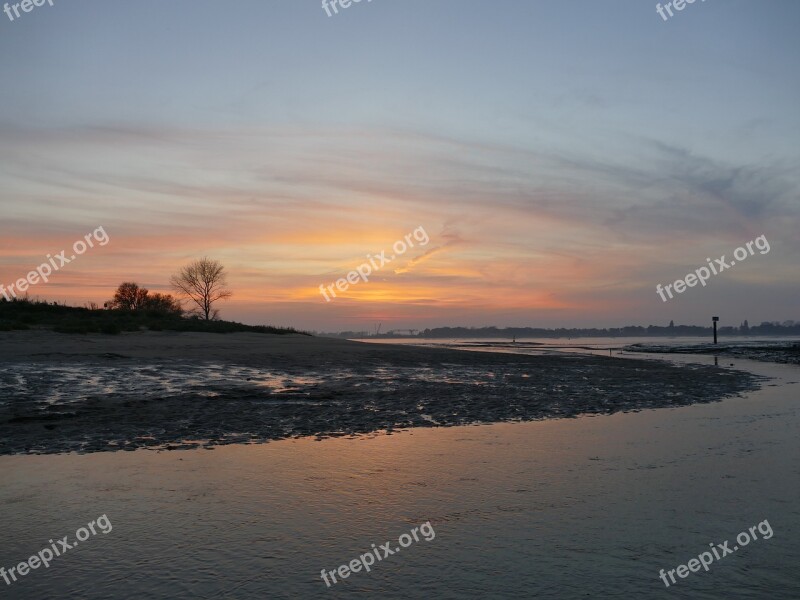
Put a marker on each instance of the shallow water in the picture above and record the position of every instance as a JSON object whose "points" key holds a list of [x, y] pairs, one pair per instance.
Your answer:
{"points": [[571, 508], [69, 383], [584, 345]]}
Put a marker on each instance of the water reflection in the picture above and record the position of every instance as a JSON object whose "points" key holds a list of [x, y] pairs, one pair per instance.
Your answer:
{"points": [[589, 507]]}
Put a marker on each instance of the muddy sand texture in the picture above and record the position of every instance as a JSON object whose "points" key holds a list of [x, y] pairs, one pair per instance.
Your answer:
{"points": [[62, 393]]}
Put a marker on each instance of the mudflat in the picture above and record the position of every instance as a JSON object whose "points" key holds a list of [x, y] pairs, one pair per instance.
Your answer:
{"points": [[168, 390]]}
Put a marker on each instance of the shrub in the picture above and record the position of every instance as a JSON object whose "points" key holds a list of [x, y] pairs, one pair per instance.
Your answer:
{"points": [[110, 329], [74, 328]]}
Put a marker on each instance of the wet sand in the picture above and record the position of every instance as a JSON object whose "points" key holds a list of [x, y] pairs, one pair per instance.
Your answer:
{"points": [[591, 507], [167, 390]]}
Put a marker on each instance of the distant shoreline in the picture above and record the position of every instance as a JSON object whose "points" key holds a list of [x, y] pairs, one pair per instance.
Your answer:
{"points": [[765, 329]]}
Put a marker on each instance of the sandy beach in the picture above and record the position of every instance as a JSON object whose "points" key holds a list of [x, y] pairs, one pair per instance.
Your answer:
{"points": [[183, 390]]}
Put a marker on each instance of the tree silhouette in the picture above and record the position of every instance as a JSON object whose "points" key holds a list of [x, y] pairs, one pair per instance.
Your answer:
{"points": [[163, 304], [129, 296], [203, 282]]}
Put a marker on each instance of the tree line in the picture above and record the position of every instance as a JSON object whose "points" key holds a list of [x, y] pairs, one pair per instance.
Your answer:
{"points": [[766, 328], [200, 285]]}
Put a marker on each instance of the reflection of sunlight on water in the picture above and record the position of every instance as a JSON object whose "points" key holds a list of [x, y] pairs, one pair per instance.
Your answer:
{"points": [[71, 383], [52, 385], [65, 384]]}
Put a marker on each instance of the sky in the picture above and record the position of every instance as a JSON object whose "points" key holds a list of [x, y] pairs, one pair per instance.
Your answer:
{"points": [[563, 157]]}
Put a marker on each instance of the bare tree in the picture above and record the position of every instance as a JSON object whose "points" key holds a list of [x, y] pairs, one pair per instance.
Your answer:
{"points": [[203, 282], [129, 296]]}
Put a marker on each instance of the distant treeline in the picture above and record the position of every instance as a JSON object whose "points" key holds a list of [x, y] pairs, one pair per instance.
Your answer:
{"points": [[764, 329], [25, 314]]}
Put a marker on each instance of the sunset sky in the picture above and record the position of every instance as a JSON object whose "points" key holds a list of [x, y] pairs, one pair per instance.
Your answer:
{"points": [[563, 156]]}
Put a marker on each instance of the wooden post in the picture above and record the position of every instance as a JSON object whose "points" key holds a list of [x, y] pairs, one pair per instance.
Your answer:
{"points": [[715, 319]]}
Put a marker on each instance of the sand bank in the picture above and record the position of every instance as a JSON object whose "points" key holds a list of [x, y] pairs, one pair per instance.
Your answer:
{"points": [[171, 390]]}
